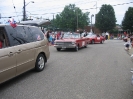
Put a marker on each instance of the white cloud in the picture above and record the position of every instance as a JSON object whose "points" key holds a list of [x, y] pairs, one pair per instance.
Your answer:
{"points": [[48, 7]]}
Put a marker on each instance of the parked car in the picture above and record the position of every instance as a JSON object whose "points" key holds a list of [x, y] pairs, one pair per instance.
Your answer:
{"points": [[71, 40], [23, 48], [95, 38]]}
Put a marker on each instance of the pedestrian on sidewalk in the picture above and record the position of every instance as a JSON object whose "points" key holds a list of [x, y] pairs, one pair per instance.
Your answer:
{"points": [[128, 43]]}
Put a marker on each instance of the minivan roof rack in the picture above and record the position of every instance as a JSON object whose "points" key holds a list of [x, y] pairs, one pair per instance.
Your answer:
{"points": [[35, 22]]}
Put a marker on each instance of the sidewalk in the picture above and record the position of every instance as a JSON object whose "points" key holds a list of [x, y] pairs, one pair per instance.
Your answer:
{"points": [[130, 52]]}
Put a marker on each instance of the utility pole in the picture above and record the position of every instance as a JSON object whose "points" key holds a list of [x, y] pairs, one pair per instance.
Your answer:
{"points": [[77, 19], [53, 23], [24, 14], [91, 22], [76, 10]]}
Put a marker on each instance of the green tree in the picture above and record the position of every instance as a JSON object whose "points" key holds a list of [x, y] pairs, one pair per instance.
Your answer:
{"points": [[105, 19], [127, 22], [71, 18]]}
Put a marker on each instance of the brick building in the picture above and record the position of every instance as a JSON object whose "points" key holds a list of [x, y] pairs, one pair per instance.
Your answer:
{"points": [[94, 29]]}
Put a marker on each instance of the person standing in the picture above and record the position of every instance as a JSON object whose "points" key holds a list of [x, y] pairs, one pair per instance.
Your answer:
{"points": [[48, 35], [107, 35], [128, 43], [1, 41], [50, 39], [85, 34], [1, 44], [53, 38]]}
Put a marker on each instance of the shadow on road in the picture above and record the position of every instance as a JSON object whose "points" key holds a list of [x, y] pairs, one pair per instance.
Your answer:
{"points": [[17, 79]]}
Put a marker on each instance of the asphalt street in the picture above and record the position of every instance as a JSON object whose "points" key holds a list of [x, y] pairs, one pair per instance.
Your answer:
{"points": [[101, 71]]}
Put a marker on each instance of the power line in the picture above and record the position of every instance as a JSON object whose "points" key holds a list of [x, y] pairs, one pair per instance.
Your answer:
{"points": [[89, 8], [15, 10], [78, 3]]}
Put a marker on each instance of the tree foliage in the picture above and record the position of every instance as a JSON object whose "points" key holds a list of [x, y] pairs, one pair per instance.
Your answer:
{"points": [[127, 22], [105, 19], [71, 18]]}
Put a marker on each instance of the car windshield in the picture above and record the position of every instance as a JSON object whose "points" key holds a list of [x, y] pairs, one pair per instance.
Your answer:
{"points": [[89, 35], [71, 36]]}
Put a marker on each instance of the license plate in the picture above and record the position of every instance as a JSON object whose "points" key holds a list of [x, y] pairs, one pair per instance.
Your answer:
{"points": [[64, 47]]}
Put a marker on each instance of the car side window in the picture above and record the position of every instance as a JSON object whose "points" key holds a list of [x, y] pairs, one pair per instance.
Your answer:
{"points": [[21, 34], [37, 34], [3, 38], [12, 36], [29, 34]]}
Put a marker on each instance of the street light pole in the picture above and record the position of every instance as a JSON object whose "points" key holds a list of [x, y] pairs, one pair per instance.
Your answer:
{"points": [[77, 19], [53, 23], [91, 22], [77, 16], [24, 12]]}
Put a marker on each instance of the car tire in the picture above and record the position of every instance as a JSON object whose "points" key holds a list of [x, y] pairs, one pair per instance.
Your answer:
{"points": [[92, 42], [40, 63], [102, 41], [76, 48], [58, 49]]}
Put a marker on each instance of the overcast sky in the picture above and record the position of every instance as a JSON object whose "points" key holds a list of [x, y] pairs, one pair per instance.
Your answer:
{"points": [[46, 8]]}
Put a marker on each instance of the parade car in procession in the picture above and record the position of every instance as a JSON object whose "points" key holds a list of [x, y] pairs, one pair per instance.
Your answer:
{"points": [[73, 40], [95, 38]]}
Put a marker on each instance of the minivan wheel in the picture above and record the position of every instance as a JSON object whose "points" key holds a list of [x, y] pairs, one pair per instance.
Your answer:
{"points": [[40, 63]]}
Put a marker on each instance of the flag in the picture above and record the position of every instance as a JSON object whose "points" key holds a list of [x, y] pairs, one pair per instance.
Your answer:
{"points": [[12, 23]]}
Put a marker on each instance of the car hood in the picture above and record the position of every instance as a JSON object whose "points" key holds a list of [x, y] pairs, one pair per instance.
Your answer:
{"points": [[66, 40], [89, 37]]}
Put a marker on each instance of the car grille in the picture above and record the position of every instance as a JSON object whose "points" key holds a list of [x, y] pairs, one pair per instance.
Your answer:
{"points": [[63, 43]]}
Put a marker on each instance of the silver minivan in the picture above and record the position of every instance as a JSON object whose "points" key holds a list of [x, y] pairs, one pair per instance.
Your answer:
{"points": [[22, 48]]}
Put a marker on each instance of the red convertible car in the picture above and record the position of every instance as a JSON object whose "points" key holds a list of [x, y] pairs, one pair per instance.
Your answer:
{"points": [[95, 38], [73, 40]]}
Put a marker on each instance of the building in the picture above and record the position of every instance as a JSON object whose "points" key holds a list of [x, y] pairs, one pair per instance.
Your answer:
{"points": [[94, 29]]}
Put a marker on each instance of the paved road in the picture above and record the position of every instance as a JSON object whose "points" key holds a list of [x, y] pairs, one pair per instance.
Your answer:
{"points": [[101, 71]]}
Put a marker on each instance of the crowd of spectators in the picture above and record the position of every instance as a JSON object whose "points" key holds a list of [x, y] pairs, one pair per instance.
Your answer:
{"points": [[52, 36]]}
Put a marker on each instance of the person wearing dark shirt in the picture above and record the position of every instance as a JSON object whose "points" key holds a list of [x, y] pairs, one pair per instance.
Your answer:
{"points": [[0, 44], [85, 33]]}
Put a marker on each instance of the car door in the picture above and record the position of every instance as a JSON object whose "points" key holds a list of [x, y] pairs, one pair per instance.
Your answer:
{"points": [[82, 41], [25, 51], [7, 64], [7, 61]]}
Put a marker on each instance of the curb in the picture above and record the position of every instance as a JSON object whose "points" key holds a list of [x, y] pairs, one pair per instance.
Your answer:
{"points": [[130, 52]]}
